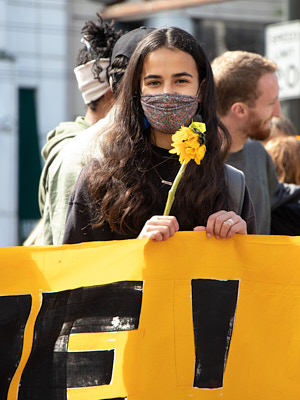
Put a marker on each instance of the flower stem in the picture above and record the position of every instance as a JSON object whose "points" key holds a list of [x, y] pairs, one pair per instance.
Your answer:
{"points": [[171, 194]]}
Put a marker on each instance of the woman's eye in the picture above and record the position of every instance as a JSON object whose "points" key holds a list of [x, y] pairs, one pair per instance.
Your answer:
{"points": [[153, 83], [182, 81]]}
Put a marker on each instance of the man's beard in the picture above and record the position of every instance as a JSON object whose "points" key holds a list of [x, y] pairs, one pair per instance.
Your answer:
{"points": [[257, 129]]}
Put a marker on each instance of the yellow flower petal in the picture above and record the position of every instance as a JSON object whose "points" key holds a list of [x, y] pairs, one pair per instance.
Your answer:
{"points": [[186, 144], [198, 125]]}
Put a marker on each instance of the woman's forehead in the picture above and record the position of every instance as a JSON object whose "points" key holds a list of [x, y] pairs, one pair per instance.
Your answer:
{"points": [[171, 61]]}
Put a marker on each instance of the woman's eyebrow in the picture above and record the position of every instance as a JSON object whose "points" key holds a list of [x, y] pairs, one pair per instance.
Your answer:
{"points": [[152, 76], [179, 74], [182, 74]]}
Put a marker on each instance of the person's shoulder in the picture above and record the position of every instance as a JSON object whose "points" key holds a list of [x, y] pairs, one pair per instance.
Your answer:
{"points": [[254, 146], [80, 149], [236, 185], [67, 127], [91, 132], [234, 173], [80, 193], [86, 143], [255, 153], [59, 136]]}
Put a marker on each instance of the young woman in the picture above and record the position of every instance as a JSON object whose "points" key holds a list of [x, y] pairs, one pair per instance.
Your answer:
{"points": [[168, 82]]}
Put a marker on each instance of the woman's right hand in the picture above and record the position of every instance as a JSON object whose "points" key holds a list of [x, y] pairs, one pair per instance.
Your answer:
{"points": [[159, 228]]}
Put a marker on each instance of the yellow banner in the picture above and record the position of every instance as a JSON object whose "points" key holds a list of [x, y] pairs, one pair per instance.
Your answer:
{"points": [[187, 318]]}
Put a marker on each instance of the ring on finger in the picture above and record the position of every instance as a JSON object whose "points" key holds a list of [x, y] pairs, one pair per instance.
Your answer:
{"points": [[229, 222]]}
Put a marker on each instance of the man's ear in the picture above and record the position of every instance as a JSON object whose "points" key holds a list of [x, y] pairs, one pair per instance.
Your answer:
{"points": [[110, 82], [240, 110], [108, 93]]}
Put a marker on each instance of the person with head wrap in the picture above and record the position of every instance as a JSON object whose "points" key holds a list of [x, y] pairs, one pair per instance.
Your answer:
{"points": [[68, 163], [91, 73]]}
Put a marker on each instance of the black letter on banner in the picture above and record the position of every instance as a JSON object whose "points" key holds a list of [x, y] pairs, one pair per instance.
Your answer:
{"points": [[51, 369], [116, 398], [14, 313], [214, 305]]}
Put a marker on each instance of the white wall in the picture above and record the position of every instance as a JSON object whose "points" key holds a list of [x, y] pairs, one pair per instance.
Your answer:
{"points": [[37, 34], [9, 154]]}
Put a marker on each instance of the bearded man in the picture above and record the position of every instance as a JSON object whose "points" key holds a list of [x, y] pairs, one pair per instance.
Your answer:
{"points": [[247, 95]]}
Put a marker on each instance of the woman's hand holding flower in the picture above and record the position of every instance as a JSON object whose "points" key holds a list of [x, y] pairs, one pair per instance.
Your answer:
{"points": [[189, 144], [159, 228], [224, 224]]}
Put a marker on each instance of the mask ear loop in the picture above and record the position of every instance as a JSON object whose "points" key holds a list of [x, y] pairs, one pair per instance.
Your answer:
{"points": [[199, 89], [146, 123], [198, 116]]}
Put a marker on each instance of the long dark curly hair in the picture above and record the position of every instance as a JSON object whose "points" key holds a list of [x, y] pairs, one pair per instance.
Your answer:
{"points": [[119, 184], [99, 39]]}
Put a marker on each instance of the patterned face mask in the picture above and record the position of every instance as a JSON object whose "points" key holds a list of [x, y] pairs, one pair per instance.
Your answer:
{"points": [[169, 112]]}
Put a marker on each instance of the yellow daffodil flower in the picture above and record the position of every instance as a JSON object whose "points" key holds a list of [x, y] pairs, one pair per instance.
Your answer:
{"points": [[189, 144]]}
